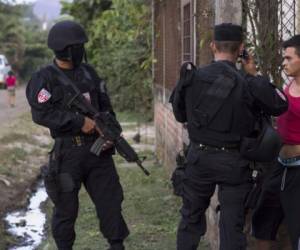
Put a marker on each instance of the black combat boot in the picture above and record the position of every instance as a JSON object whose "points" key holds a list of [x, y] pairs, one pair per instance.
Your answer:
{"points": [[118, 246]]}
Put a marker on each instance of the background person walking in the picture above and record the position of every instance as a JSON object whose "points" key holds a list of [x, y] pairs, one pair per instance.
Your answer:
{"points": [[11, 82]]}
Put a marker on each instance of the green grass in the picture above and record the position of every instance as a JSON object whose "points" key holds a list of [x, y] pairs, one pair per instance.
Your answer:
{"points": [[10, 158], [150, 209], [14, 138], [131, 117], [13, 145], [149, 156], [6, 240]]}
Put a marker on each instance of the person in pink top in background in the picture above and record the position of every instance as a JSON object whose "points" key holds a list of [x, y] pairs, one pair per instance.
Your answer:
{"points": [[280, 196], [11, 82]]}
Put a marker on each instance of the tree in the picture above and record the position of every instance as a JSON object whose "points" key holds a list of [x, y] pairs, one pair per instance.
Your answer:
{"points": [[120, 48], [21, 38], [11, 34], [86, 10], [262, 19]]}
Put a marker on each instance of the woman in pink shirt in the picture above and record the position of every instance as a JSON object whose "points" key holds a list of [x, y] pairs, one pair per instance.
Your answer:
{"points": [[11, 82]]}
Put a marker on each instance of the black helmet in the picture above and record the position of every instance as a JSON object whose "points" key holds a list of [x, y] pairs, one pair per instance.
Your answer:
{"points": [[66, 33]]}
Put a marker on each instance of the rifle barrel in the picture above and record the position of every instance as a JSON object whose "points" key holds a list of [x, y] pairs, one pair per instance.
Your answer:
{"points": [[142, 167]]}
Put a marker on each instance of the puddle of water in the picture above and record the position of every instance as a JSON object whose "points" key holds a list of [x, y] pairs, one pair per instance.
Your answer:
{"points": [[28, 225]]}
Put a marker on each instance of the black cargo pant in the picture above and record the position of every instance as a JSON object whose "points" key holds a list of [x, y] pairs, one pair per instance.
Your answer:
{"points": [[204, 170], [99, 176]]}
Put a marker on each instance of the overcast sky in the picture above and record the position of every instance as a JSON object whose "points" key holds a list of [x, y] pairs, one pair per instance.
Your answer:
{"points": [[31, 1], [23, 1]]}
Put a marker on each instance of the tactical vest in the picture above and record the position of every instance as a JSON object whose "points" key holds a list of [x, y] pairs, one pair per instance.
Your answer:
{"points": [[219, 106], [85, 80]]}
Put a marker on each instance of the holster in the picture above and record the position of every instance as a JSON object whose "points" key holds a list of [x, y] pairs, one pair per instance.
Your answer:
{"points": [[50, 173], [178, 175], [51, 183]]}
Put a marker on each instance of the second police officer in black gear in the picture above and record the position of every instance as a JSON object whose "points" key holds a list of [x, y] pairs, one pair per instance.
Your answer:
{"points": [[74, 134], [218, 104]]}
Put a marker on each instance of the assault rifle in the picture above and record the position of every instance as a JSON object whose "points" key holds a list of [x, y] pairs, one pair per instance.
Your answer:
{"points": [[105, 121]]}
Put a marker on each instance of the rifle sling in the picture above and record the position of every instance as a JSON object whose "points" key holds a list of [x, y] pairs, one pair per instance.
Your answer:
{"points": [[76, 92]]}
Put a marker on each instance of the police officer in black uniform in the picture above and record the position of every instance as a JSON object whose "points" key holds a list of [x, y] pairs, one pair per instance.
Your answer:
{"points": [[74, 135], [219, 104]]}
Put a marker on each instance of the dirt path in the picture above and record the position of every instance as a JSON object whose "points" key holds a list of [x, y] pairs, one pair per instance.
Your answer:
{"points": [[8, 114], [23, 149]]}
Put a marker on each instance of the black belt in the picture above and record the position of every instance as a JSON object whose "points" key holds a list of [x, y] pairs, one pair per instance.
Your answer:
{"points": [[227, 148], [77, 141]]}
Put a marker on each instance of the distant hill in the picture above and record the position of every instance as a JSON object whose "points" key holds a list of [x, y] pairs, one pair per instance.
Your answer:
{"points": [[47, 10]]}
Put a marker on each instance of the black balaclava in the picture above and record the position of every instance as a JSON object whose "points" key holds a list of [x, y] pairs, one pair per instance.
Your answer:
{"points": [[74, 53], [77, 54]]}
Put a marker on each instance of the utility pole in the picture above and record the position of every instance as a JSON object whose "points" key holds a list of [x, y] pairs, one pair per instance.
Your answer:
{"points": [[228, 11]]}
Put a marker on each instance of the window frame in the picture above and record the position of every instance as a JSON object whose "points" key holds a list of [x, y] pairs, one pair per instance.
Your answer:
{"points": [[191, 34]]}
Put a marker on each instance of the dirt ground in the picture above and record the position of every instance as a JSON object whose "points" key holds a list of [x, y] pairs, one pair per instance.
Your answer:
{"points": [[23, 148], [8, 114]]}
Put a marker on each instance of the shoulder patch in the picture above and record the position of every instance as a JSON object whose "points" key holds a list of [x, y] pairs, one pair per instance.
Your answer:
{"points": [[87, 96], [43, 96]]}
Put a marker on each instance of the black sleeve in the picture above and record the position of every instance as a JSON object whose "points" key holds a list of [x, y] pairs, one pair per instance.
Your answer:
{"points": [[177, 98], [45, 109], [266, 96], [177, 101]]}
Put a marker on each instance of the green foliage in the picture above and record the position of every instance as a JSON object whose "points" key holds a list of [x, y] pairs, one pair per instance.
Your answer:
{"points": [[21, 38], [11, 34], [149, 208], [86, 10], [262, 21], [120, 49], [36, 52]]}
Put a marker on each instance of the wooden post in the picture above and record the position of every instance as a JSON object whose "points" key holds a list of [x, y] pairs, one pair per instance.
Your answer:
{"points": [[228, 11]]}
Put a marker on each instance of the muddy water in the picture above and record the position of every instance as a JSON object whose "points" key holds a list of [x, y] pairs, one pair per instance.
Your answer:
{"points": [[28, 225]]}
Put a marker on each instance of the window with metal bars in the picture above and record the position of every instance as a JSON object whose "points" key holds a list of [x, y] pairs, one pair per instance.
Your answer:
{"points": [[187, 35]]}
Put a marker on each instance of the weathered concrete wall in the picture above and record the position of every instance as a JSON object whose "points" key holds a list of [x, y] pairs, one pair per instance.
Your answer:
{"points": [[228, 11]]}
